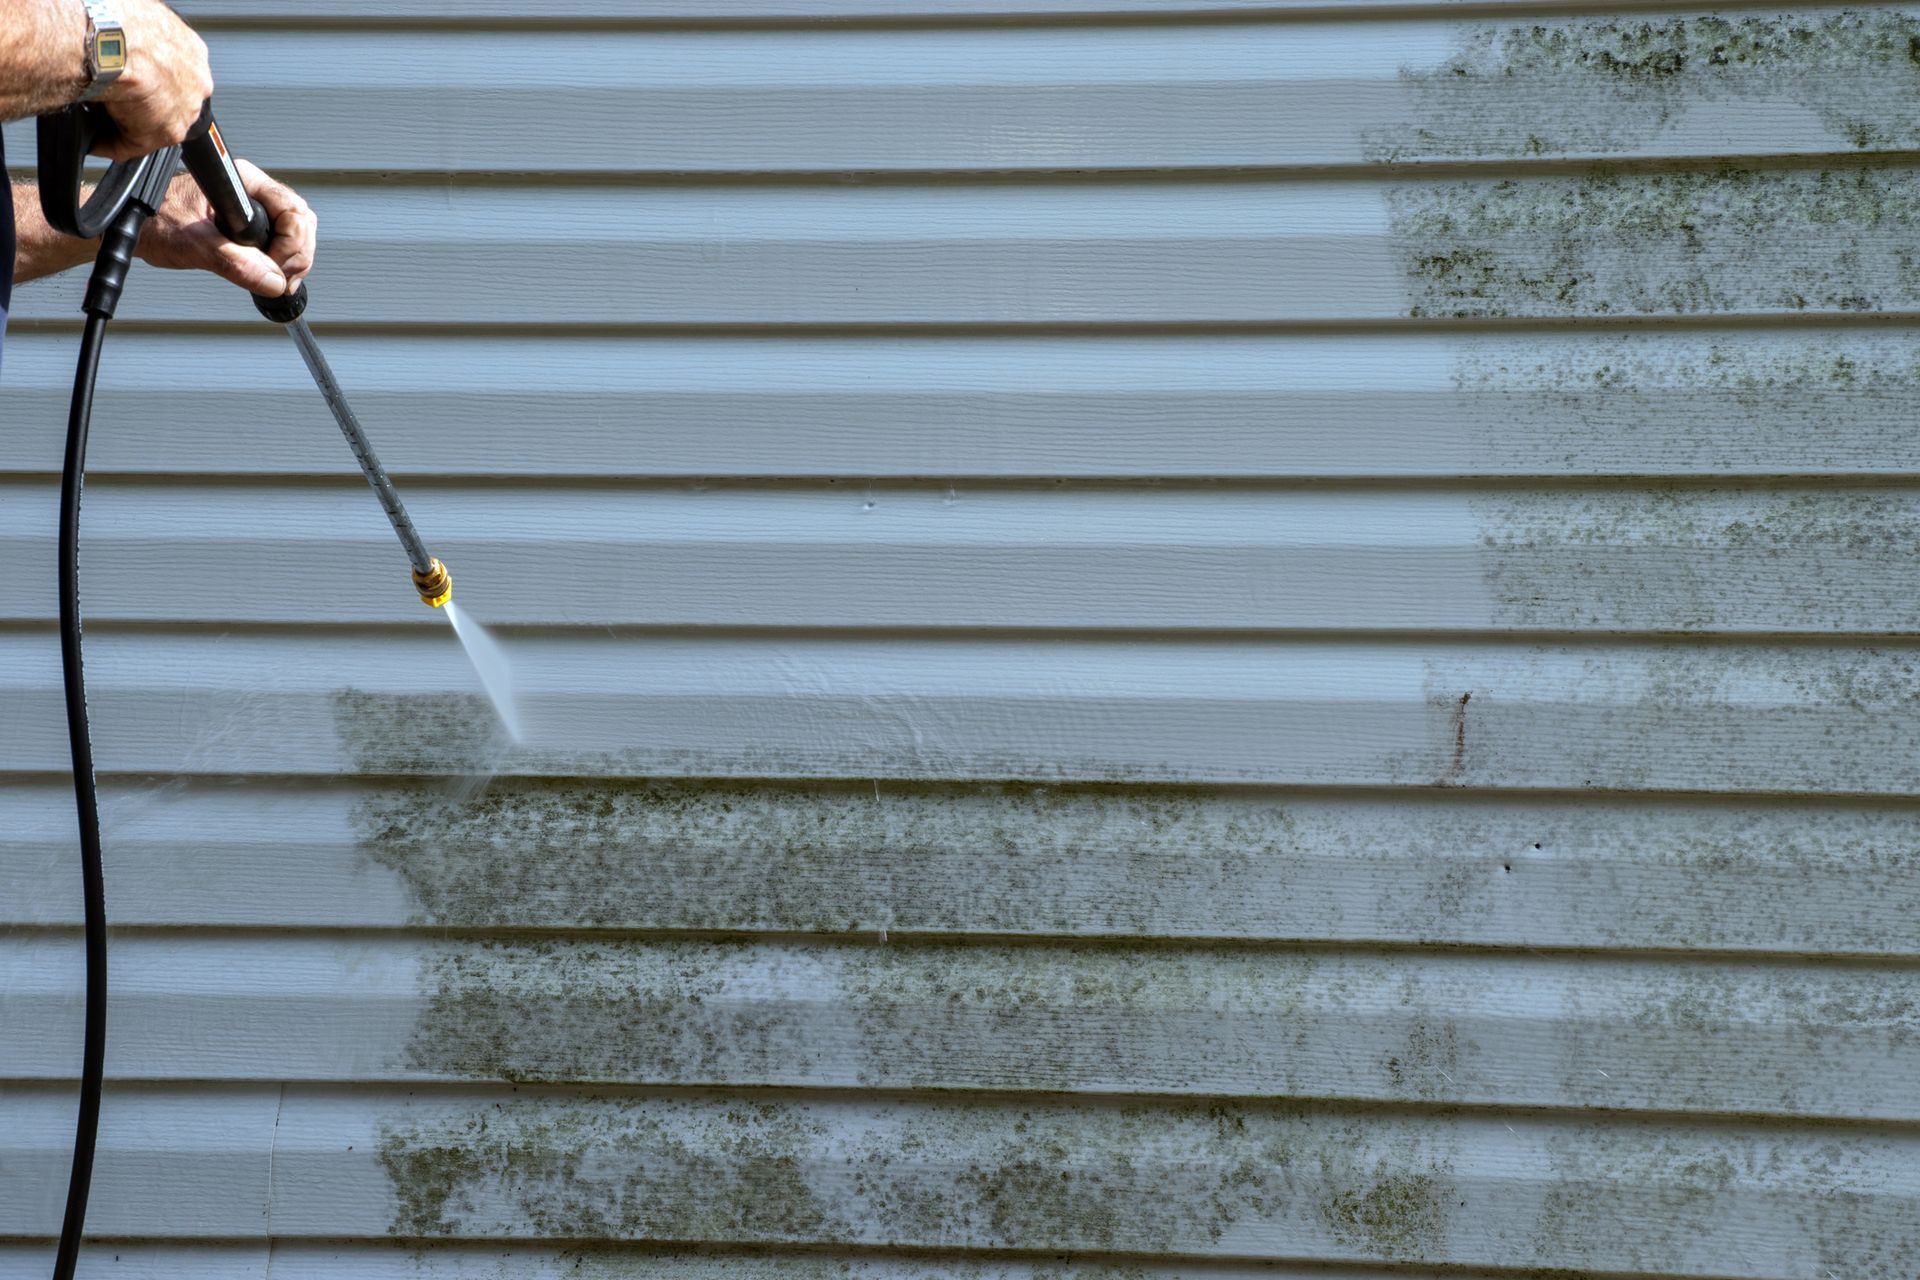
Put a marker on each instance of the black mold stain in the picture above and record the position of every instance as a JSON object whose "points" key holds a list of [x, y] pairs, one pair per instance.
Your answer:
{"points": [[1392, 1212], [596, 1169], [1046, 1019], [1688, 559], [1726, 241], [1602, 87], [1671, 1189], [616, 1262], [1786, 1034], [1679, 717], [430, 733], [1044, 1177], [1641, 403], [821, 857], [834, 858], [1631, 1196]]}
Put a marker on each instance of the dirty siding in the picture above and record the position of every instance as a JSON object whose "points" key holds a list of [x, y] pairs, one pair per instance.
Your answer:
{"points": [[1220, 640]]}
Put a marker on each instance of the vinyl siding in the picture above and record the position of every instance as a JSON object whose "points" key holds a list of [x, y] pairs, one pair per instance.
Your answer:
{"points": [[1183, 640]]}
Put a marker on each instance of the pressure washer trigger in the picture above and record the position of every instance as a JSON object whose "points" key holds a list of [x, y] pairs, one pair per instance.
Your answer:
{"points": [[65, 139]]}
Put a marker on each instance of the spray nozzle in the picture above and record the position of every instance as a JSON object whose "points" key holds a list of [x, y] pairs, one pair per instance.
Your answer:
{"points": [[435, 585]]}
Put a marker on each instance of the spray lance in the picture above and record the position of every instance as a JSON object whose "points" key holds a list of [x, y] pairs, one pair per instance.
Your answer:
{"points": [[129, 193]]}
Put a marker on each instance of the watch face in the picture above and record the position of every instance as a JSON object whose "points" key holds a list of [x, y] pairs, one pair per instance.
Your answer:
{"points": [[112, 52]]}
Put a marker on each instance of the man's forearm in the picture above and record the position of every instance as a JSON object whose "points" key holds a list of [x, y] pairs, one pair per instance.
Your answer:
{"points": [[42, 56], [39, 249]]}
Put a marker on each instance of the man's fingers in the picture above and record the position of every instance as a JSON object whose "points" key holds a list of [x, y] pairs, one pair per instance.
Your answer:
{"points": [[295, 232], [249, 268], [127, 147], [295, 228]]}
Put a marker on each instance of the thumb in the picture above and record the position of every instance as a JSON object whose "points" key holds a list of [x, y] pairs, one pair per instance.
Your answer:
{"points": [[249, 268]]}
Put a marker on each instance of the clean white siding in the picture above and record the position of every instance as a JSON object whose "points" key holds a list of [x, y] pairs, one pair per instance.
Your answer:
{"points": [[1187, 639]]}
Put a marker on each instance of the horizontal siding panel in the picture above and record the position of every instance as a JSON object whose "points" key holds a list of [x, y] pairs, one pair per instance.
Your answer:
{"points": [[1547, 1032], [1070, 96], [216, 13], [137, 1260], [1735, 718], [1667, 403], [453, 1261], [1220, 1179], [945, 556], [1049, 862], [1724, 243], [1012, 97]]}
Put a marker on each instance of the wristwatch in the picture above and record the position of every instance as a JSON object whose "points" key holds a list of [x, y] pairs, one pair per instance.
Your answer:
{"points": [[106, 49]]}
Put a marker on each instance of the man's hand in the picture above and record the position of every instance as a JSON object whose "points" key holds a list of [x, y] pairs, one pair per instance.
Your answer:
{"points": [[153, 103], [182, 235], [159, 96]]}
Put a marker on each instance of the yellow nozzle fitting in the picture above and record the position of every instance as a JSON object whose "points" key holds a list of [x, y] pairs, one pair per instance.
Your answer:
{"points": [[435, 585]]}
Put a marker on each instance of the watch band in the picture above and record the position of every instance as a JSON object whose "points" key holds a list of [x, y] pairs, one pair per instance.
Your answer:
{"points": [[106, 48]]}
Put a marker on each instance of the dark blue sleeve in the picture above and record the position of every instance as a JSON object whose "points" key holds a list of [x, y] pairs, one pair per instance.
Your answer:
{"points": [[6, 243]]}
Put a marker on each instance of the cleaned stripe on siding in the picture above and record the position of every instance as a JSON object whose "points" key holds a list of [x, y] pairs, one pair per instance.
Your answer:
{"points": [[1627, 716], [1775, 560], [1073, 96], [1729, 242], [1732, 402]]}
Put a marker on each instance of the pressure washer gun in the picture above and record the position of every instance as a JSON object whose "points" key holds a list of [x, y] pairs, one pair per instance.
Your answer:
{"points": [[128, 194], [132, 191]]}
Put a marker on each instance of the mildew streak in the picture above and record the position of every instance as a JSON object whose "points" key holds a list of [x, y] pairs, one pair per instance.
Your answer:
{"points": [[1150, 862], [1653, 1035], [1227, 1179], [1688, 404], [1129, 1179], [1684, 559], [1613, 86], [1727, 241]]}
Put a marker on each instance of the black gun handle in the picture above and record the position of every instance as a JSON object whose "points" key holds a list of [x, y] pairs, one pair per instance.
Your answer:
{"points": [[234, 212], [65, 137]]}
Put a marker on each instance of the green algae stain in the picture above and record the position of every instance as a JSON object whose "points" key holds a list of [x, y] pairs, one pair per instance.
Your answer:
{"points": [[434, 1175], [1725, 241], [1030, 1018], [616, 1262], [567, 1011], [427, 733], [823, 857], [1395, 1214], [1670, 403], [1612, 86], [604, 1169], [1687, 559], [1043, 1178]]}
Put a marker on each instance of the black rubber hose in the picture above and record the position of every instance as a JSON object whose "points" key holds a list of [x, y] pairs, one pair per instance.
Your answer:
{"points": [[93, 878]]}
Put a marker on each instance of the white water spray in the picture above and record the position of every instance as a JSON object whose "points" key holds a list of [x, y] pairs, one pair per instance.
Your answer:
{"points": [[496, 675]]}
